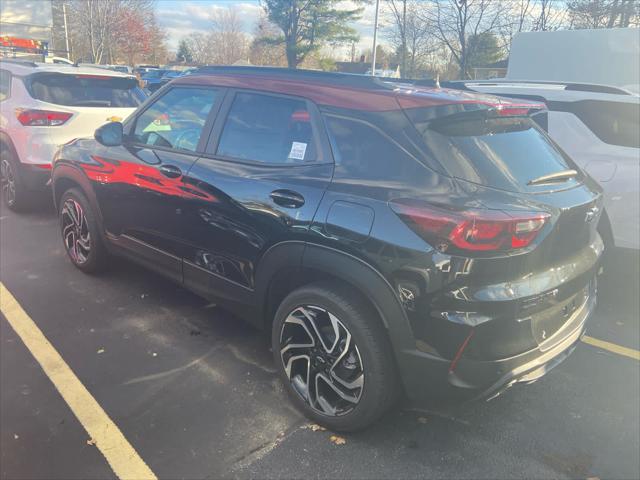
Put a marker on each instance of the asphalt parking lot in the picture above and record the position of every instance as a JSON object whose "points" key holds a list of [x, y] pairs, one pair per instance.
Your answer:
{"points": [[194, 392]]}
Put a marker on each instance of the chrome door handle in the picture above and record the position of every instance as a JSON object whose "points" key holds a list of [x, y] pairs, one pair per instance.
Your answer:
{"points": [[170, 171]]}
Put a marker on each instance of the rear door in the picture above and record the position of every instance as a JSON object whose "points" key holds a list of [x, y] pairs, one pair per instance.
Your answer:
{"points": [[264, 173], [141, 186]]}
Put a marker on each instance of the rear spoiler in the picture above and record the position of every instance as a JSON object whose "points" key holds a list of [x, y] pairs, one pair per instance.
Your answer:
{"points": [[571, 86]]}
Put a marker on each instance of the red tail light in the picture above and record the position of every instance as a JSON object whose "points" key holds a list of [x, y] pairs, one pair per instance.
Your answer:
{"points": [[471, 230], [42, 118]]}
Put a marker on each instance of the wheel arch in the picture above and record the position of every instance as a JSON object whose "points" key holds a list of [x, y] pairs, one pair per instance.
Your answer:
{"points": [[5, 140], [291, 265], [66, 176]]}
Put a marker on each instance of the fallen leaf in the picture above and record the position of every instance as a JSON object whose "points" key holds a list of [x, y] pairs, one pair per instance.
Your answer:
{"points": [[101, 350], [91, 441], [337, 440], [314, 427], [422, 420]]}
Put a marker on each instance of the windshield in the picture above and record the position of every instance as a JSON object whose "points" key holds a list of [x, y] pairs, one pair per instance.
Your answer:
{"points": [[87, 90], [501, 152]]}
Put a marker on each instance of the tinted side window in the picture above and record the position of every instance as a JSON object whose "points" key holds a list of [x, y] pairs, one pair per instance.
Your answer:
{"points": [[612, 122], [268, 129], [176, 119], [365, 152], [5, 84]]}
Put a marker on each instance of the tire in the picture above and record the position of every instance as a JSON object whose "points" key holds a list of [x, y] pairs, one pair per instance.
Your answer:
{"points": [[361, 356], [12, 188], [80, 234]]}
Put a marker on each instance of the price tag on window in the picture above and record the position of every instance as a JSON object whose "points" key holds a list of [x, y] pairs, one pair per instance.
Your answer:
{"points": [[298, 149]]}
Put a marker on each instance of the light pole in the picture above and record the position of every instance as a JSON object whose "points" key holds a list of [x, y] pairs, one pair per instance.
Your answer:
{"points": [[375, 39], [66, 31]]}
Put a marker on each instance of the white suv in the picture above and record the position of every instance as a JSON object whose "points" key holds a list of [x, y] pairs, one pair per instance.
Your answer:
{"points": [[43, 106], [598, 126]]}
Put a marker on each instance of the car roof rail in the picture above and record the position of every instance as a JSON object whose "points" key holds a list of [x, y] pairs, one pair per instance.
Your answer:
{"points": [[572, 86], [331, 78], [17, 61]]}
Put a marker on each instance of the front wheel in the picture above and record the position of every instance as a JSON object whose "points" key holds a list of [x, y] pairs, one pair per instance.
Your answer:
{"points": [[334, 357], [80, 232]]}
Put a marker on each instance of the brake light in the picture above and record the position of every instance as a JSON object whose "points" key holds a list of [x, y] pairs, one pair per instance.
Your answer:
{"points": [[42, 118], [470, 230], [515, 111]]}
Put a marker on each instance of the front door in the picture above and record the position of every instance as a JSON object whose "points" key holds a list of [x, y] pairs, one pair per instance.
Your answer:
{"points": [[265, 171], [141, 186]]}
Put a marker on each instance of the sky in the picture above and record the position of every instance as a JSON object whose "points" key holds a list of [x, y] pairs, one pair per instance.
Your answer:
{"points": [[179, 17], [182, 17]]}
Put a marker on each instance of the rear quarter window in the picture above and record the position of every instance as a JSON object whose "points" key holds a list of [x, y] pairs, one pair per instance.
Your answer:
{"points": [[86, 90], [365, 152]]}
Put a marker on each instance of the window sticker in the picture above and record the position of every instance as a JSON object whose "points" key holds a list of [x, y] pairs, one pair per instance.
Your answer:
{"points": [[298, 149]]}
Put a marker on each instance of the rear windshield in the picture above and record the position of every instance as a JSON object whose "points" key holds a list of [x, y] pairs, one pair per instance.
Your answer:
{"points": [[87, 90], [499, 152]]}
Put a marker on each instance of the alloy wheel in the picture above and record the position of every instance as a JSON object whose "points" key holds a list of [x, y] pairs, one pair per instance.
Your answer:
{"points": [[75, 231], [8, 180], [321, 360]]}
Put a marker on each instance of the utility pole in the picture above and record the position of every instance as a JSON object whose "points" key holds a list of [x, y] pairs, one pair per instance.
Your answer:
{"points": [[404, 38], [66, 31], [375, 40]]}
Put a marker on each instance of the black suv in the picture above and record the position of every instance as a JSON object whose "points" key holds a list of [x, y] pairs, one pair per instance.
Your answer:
{"points": [[392, 238]]}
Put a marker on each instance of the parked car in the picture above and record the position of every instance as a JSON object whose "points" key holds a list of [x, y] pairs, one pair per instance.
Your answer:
{"points": [[153, 78], [598, 126], [392, 238], [45, 106], [173, 74]]}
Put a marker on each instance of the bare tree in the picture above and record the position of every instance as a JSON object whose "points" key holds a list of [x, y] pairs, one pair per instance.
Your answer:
{"points": [[603, 13], [411, 35], [200, 48], [229, 43], [455, 21], [517, 18], [95, 26], [550, 16], [263, 51]]}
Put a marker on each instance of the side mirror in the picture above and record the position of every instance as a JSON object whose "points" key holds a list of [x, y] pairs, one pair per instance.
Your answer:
{"points": [[110, 134]]}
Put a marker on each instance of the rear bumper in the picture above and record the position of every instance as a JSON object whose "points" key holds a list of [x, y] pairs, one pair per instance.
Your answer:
{"points": [[426, 375]]}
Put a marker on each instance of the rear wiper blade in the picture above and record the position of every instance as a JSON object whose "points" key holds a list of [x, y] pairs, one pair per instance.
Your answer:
{"points": [[554, 177]]}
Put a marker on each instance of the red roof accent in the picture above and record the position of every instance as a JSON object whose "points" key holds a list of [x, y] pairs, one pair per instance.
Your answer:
{"points": [[368, 99]]}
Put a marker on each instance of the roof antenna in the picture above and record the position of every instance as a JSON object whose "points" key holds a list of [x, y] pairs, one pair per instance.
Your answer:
{"points": [[437, 80]]}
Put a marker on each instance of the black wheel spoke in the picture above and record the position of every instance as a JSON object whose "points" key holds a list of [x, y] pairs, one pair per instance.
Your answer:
{"points": [[321, 360]]}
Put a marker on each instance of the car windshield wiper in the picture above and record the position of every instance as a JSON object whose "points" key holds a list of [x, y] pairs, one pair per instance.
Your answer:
{"points": [[554, 177]]}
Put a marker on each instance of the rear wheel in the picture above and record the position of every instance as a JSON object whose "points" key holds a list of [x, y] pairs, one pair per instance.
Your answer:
{"points": [[80, 232], [12, 188], [334, 357]]}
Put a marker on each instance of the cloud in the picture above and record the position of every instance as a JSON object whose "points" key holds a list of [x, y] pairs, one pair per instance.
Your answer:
{"points": [[25, 18], [181, 18]]}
